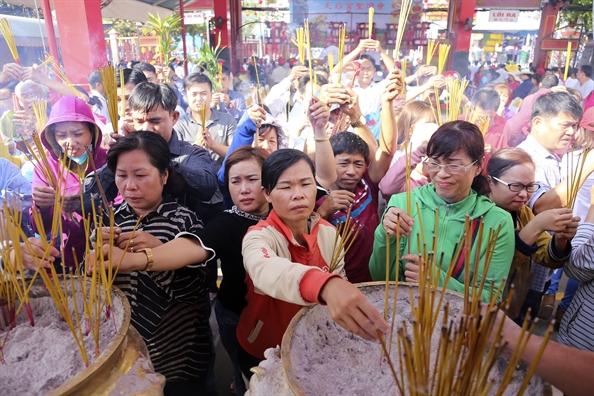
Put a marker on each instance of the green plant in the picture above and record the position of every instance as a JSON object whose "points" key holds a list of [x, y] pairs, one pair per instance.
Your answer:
{"points": [[166, 29], [208, 60]]}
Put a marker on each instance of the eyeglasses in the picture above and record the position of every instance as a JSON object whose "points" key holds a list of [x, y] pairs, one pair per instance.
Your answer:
{"points": [[452, 169], [517, 187]]}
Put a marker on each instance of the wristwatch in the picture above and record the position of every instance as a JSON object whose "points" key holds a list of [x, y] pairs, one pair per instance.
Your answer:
{"points": [[149, 258], [360, 122]]}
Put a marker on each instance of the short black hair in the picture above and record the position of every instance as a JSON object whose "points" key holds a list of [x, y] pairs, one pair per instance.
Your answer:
{"points": [[197, 78], [303, 80], [226, 71], [143, 66], [131, 76], [486, 99], [278, 162], [550, 81], [587, 70], [94, 78], [537, 77], [455, 136], [369, 58], [555, 103], [156, 149], [147, 96], [349, 143]]}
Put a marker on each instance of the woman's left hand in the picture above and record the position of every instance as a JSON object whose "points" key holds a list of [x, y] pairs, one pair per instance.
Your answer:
{"points": [[138, 240], [411, 268]]}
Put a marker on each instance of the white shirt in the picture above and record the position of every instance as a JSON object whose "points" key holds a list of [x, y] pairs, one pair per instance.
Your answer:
{"points": [[279, 73], [370, 98], [103, 111], [572, 83], [586, 89]]}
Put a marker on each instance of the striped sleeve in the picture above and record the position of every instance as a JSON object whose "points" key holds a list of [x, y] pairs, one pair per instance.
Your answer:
{"points": [[581, 264]]}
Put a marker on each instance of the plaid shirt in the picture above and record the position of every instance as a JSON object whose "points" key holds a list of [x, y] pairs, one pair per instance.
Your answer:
{"points": [[548, 175]]}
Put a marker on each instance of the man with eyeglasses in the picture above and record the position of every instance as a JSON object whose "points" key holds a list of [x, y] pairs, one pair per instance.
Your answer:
{"points": [[555, 119]]}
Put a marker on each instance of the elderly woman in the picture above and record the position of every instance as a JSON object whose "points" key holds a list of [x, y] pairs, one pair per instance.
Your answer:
{"points": [[168, 306], [455, 155], [71, 129]]}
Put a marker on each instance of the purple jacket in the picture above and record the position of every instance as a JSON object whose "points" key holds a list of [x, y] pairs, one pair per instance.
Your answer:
{"points": [[69, 108]]}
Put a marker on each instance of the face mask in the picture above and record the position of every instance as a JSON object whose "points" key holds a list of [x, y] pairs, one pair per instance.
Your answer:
{"points": [[80, 160]]}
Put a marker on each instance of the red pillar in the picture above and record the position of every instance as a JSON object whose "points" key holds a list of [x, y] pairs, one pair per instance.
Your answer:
{"points": [[460, 12], [81, 37], [548, 21], [222, 10], [51, 34]]}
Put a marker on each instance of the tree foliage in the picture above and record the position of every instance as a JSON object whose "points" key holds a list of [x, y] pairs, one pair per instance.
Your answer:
{"points": [[166, 29], [208, 60]]}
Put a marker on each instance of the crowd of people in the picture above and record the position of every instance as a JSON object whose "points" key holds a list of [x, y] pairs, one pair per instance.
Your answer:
{"points": [[254, 184]]}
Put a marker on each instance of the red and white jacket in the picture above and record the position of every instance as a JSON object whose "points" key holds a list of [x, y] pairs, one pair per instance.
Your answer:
{"points": [[282, 276]]}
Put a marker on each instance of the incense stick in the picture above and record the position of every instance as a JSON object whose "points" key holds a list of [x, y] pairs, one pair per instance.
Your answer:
{"points": [[444, 50], [9, 37], [567, 60], [431, 47], [108, 80], [370, 23], [341, 42], [405, 8]]}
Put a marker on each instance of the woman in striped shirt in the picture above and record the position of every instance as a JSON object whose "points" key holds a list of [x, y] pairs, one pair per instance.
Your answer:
{"points": [[168, 307]]}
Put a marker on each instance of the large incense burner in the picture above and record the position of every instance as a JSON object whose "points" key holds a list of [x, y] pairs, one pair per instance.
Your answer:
{"points": [[41, 356], [318, 357]]}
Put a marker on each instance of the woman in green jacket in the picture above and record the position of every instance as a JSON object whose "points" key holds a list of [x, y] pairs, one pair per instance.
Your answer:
{"points": [[455, 156]]}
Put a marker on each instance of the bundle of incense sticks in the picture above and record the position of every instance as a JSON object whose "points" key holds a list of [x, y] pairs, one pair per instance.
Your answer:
{"points": [[567, 59], [456, 89], [122, 96], [405, 7], [9, 37], [108, 79], [40, 111], [431, 47], [481, 121], [300, 32], [345, 236], [257, 79], [341, 41], [573, 178], [444, 50], [462, 361], [312, 76], [370, 25]]}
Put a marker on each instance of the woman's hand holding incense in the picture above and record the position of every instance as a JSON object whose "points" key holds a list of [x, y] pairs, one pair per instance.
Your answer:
{"points": [[24, 119], [393, 87], [126, 261], [351, 108], [11, 71], [396, 217], [569, 231], [411, 268], [137, 240], [350, 309], [44, 197], [335, 201], [257, 114], [33, 255], [318, 115], [334, 94]]}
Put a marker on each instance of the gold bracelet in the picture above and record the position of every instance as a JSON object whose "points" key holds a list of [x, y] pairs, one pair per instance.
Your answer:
{"points": [[324, 139], [149, 258]]}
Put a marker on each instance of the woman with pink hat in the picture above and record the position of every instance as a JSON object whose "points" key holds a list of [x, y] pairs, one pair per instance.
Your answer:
{"points": [[70, 130]]}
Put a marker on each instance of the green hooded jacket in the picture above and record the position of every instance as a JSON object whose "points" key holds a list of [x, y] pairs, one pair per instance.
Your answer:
{"points": [[450, 232]]}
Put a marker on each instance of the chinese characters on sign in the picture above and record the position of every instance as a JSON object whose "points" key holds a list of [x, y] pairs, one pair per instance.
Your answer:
{"points": [[354, 6]]}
